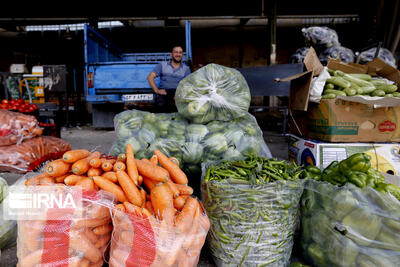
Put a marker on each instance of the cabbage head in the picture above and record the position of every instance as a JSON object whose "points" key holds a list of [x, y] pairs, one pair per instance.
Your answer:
{"points": [[123, 131], [196, 132], [136, 146], [192, 152], [146, 137], [216, 143], [216, 126], [232, 154]]}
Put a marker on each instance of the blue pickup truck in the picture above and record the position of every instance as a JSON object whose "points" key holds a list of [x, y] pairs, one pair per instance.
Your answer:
{"points": [[113, 77]]}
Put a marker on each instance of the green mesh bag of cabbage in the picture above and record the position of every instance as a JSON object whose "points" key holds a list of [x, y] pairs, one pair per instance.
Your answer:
{"points": [[213, 92], [190, 143], [349, 226]]}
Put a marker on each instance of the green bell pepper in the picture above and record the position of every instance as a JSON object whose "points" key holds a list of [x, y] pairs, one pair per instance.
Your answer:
{"points": [[356, 162], [332, 174], [377, 175], [312, 172], [357, 178], [389, 188]]}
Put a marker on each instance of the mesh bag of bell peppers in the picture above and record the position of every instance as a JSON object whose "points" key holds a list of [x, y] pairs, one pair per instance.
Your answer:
{"points": [[350, 216], [16, 127], [157, 221], [64, 234], [31, 153], [253, 206]]}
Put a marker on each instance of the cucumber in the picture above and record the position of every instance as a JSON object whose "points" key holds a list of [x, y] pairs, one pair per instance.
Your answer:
{"points": [[329, 86], [338, 73], [331, 72], [336, 92], [328, 96], [339, 82], [378, 92], [378, 82], [368, 89], [388, 88], [365, 77], [357, 81], [396, 94], [350, 91], [389, 95]]}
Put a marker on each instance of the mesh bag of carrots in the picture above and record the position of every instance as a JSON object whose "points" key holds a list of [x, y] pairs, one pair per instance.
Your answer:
{"points": [[157, 222], [16, 127], [31, 153], [76, 237]]}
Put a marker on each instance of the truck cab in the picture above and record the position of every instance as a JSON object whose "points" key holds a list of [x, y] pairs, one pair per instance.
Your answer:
{"points": [[113, 77]]}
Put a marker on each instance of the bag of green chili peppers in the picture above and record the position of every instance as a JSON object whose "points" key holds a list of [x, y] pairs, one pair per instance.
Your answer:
{"points": [[253, 207], [349, 225]]}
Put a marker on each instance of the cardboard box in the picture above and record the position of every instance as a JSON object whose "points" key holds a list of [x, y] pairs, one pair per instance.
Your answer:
{"points": [[344, 119], [385, 157]]}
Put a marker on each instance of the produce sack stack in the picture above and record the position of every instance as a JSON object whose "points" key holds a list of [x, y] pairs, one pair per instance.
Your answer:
{"points": [[253, 209], [211, 93], [157, 221], [190, 143], [69, 237], [350, 216]]}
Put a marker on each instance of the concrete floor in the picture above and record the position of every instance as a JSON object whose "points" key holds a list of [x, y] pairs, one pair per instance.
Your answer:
{"points": [[101, 140]]}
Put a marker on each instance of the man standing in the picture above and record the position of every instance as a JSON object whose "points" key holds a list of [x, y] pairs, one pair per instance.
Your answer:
{"points": [[170, 73]]}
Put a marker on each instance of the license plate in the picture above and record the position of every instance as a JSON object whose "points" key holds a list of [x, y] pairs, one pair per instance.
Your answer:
{"points": [[137, 97]]}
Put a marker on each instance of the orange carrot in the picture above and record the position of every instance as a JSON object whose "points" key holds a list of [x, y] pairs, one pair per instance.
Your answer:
{"points": [[36, 179], [95, 163], [121, 157], [82, 166], [90, 235], [94, 172], [179, 202], [82, 243], [47, 181], [140, 180], [143, 195], [32, 259], [110, 176], [57, 168], [174, 160], [86, 183], [162, 201], [131, 166], [103, 229], [119, 166], [83, 223], [177, 175], [130, 189], [120, 255], [184, 189], [174, 188], [97, 211], [107, 166], [149, 183], [84, 263], [32, 233], [152, 171], [109, 186], [103, 240], [75, 155], [133, 209], [73, 179], [60, 179], [185, 218], [149, 207], [146, 212], [154, 159]]}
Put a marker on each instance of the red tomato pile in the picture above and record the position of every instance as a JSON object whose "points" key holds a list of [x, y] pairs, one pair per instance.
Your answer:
{"points": [[18, 105]]}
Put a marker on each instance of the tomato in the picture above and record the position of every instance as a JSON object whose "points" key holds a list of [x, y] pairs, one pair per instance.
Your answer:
{"points": [[20, 101], [13, 101], [22, 110], [35, 107], [4, 101], [13, 107]]}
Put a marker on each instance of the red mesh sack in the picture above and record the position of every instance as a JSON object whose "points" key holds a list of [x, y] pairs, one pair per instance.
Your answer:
{"points": [[16, 127]]}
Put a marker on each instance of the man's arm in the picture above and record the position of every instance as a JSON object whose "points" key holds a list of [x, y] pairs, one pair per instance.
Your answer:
{"points": [[153, 84]]}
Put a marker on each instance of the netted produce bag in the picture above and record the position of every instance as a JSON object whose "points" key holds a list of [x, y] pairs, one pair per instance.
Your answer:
{"points": [[320, 37], [349, 226], [66, 235], [252, 219], [190, 143], [214, 92], [299, 55], [31, 153], [142, 239], [383, 54], [345, 54], [16, 127], [8, 228]]}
